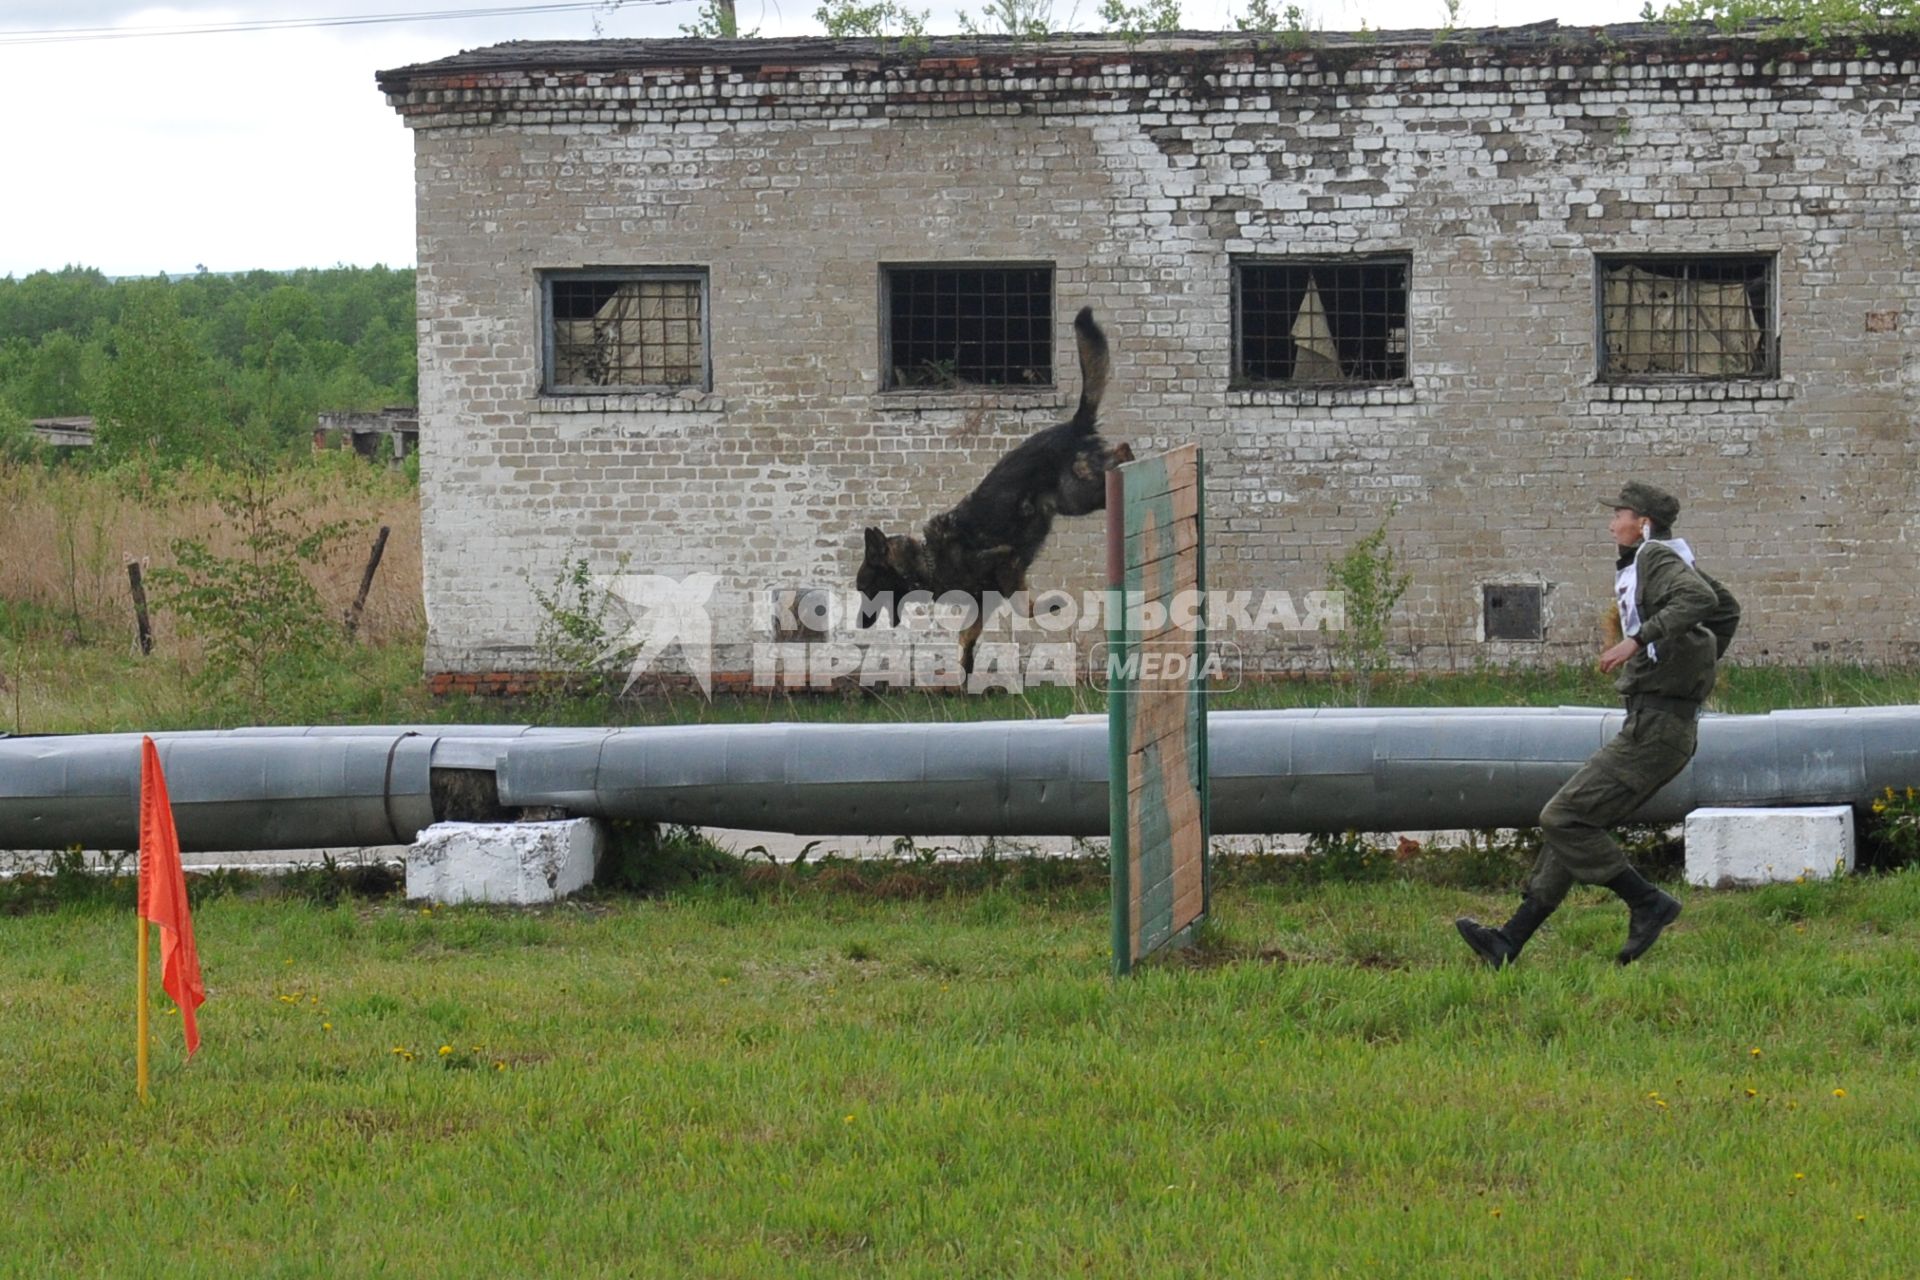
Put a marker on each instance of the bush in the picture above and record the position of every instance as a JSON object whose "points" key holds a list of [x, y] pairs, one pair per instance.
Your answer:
{"points": [[1490, 859], [1890, 839], [578, 636], [18, 444], [1346, 857], [326, 883], [1656, 851], [1369, 582], [645, 858], [67, 881], [263, 623]]}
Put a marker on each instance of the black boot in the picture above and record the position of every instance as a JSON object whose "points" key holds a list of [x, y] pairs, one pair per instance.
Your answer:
{"points": [[1500, 947], [1653, 910]]}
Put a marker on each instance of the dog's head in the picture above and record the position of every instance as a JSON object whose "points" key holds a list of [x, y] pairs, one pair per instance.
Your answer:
{"points": [[885, 577]]}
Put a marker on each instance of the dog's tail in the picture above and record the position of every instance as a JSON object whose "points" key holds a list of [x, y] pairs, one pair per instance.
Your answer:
{"points": [[1095, 368]]}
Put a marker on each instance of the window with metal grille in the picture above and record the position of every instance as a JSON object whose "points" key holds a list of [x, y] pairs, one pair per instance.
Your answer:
{"points": [[630, 330], [961, 326], [1512, 612], [1318, 322], [1687, 318]]}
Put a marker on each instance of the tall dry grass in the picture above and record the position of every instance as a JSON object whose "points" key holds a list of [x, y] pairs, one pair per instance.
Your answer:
{"points": [[67, 535]]}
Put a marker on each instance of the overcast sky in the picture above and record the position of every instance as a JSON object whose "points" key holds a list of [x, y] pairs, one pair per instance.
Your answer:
{"points": [[273, 149]]}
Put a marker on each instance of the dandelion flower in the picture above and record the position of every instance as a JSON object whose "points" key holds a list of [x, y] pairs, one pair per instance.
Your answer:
{"points": [[1859, 1217], [445, 1049], [499, 1066], [1799, 1177], [848, 1120], [1660, 1103], [1839, 1093], [1494, 1212], [1755, 1051], [326, 1026], [1753, 1093]]}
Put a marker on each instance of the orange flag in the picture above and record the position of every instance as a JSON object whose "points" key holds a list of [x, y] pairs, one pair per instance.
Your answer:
{"points": [[163, 894]]}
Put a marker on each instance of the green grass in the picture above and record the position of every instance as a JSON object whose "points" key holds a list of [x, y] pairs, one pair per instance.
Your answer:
{"points": [[54, 684], [808, 1082]]}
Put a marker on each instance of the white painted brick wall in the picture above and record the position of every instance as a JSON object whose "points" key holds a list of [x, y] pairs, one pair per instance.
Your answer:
{"points": [[1140, 184]]}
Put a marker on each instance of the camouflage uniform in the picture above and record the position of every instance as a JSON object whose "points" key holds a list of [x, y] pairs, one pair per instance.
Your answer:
{"points": [[1683, 620]]}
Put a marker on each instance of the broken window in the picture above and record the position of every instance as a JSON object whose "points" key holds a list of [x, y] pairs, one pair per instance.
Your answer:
{"points": [[1512, 611], [1707, 317], [1304, 322], [957, 326], [626, 331]]}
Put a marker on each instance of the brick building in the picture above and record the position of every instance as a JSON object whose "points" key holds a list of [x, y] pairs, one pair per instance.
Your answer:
{"points": [[721, 305]]}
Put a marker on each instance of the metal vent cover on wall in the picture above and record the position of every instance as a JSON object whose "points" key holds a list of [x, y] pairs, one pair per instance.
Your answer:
{"points": [[1513, 611], [801, 615]]}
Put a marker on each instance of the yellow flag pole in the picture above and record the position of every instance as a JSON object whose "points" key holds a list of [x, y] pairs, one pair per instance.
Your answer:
{"points": [[140, 1018]]}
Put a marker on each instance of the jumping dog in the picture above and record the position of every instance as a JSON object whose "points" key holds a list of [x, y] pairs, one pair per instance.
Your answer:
{"points": [[987, 543]]}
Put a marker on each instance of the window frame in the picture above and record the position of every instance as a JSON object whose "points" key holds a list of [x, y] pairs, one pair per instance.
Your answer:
{"points": [[1237, 377], [623, 275], [1770, 372], [887, 384]]}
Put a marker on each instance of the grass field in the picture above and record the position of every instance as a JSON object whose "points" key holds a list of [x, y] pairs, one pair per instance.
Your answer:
{"points": [[921, 1070], [803, 1081]]}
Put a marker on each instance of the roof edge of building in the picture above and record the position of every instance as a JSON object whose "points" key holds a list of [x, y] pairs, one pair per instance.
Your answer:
{"points": [[1531, 42]]}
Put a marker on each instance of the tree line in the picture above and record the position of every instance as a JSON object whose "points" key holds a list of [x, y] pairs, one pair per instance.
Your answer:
{"points": [[204, 367]]}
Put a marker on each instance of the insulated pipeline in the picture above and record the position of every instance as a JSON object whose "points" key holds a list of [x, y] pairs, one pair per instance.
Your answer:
{"points": [[229, 792], [1272, 772]]}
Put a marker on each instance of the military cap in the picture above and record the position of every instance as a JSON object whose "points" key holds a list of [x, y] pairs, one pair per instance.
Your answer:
{"points": [[1654, 503]]}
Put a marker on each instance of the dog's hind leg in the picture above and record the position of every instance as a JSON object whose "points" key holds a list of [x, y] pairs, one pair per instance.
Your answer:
{"points": [[969, 638]]}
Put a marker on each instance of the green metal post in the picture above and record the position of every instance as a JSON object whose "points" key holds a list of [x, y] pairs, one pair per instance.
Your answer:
{"points": [[1117, 728]]}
